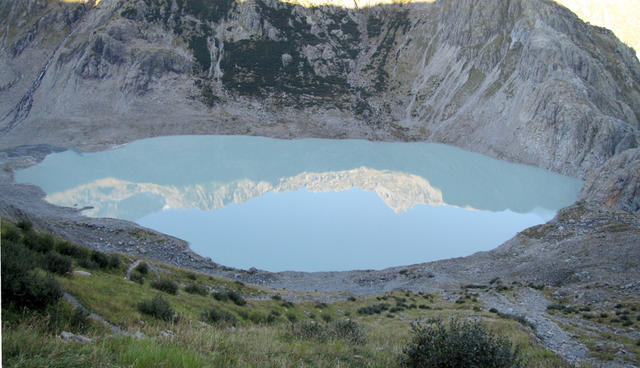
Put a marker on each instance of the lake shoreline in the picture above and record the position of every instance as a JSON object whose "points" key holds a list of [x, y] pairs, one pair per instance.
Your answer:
{"points": [[20, 200]]}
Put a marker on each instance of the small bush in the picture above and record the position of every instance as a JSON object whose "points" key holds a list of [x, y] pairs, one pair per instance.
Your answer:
{"points": [[191, 276], [196, 289], [79, 321], [11, 233], [373, 309], [518, 318], [42, 243], [258, 318], [273, 316], [156, 307], [100, 259], [243, 314], [25, 225], [292, 317], [287, 304], [114, 261], [58, 264], [87, 263], [165, 285], [276, 297], [308, 330], [236, 298], [219, 317], [75, 251], [349, 330], [326, 317], [136, 277], [143, 268], [221, 296], [351, 298], [22, 284], [460, 344]]}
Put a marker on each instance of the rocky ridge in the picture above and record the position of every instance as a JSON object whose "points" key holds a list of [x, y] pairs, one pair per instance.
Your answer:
{"points": [[525, 81]]}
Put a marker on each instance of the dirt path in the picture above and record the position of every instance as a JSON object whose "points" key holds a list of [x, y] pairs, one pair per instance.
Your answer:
{"points": [[96, 317]]}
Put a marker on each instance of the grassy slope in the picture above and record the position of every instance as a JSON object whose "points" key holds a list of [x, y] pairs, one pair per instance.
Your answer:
{"points": [[30, 339]]}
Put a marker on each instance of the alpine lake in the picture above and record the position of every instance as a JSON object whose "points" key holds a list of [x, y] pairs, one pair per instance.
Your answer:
{"points": [[308, 204]]}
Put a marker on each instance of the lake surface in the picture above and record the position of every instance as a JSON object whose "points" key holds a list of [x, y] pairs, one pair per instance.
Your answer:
{"points": [[309, 204]]}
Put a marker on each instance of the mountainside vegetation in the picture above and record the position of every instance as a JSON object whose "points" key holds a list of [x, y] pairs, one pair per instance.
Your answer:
{"points": [[231, 324]]}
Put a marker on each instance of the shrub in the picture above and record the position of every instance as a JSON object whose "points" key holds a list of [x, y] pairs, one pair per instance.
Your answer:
{"points": [[58, 264], [287, 304], [258, 318], [165, 285], [236, 298], [196, 289], [219, 317], [22, 285], [308, 330], [136, 277], [243, 314], [42, 243], [87, 263], [276, 297], [292, 317], [221, 296], [326, 317], [143, 268], [460, 344], [79, 321], [273, 316], [25, 225], [100, 259], [349, 330], [191, 276], [11, 233], [114, 261], [373, 309], [156, 307], [69, 249]]}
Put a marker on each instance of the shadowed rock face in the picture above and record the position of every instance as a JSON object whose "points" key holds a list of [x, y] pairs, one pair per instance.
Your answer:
{"points": [[525, 81]]}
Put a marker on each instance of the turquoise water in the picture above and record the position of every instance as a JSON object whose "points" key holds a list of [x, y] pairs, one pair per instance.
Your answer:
{"points": [[310, 204]]}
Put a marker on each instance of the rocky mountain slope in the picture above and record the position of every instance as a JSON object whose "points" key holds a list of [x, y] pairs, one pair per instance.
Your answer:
{"points": [[525, 81]]}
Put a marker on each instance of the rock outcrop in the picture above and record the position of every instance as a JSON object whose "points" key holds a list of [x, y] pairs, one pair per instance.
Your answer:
{"points": [[616, 184], [525, 81]]}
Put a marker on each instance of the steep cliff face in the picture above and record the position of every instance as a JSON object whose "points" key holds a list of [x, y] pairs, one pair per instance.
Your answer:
{"points": [[521, 80]]}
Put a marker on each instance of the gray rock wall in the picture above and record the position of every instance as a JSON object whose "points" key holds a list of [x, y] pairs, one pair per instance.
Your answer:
{"points": [[522, 80]]}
